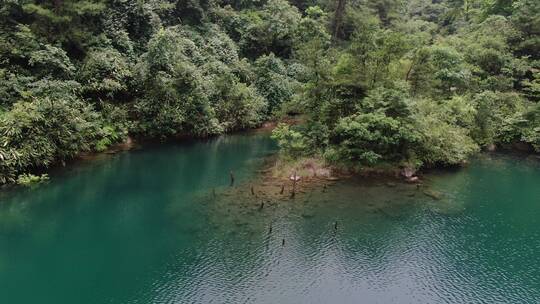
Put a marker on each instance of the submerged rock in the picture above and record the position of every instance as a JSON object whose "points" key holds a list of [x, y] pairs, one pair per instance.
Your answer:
{"points": [[433, 194], [307, 215]]}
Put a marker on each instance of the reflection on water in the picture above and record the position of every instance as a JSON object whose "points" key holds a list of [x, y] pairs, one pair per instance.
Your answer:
{"points": [[146, 227]]}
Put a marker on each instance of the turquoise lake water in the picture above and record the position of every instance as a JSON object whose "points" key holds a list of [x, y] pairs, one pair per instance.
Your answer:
{"points": [[144, 227]]}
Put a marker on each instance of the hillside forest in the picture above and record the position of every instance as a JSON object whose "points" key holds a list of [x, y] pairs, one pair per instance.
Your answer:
{"points": [[419, 83]]}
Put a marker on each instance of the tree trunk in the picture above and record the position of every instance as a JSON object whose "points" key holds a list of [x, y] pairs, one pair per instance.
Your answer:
{"points": [[57, 5], [338, 18]]}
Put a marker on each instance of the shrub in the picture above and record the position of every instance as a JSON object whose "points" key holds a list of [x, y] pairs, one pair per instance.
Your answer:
{"points": [[36, 133], [30, 179], [372, 137], [291, 143]]}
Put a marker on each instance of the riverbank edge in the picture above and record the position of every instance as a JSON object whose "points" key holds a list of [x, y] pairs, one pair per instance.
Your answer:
{"points": [[316, 170], [130, 142], [283, 168]]}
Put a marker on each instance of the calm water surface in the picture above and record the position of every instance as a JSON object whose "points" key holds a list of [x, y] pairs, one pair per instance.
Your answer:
{"points": [[144, 227]]}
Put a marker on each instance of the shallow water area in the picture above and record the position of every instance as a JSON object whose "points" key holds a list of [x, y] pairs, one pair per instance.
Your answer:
{"points": [[163, 225]]}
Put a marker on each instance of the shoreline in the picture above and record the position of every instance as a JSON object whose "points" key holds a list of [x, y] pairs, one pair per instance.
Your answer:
{"points": [[312, 171], [132, 142]]}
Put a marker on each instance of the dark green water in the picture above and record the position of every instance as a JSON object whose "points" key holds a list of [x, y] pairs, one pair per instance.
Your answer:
{"points": [[143, 227]]}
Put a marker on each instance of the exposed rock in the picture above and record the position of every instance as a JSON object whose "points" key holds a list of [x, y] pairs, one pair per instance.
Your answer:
{"points": [[408, 172], [413, 179], [127, 144], [294, 177], [521, 146], [323, 172]]}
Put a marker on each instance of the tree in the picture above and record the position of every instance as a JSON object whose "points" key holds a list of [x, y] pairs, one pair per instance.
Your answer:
{"points": [[526, 17], [105, 74], [338, 18], [272, 81], [370, 138]]}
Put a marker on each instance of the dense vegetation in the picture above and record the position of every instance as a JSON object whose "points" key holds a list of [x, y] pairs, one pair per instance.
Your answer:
{"points": [[417, 83]]}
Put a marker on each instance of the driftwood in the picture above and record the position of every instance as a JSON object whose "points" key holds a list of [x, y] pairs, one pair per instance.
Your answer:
{"points": [[293, 193]]}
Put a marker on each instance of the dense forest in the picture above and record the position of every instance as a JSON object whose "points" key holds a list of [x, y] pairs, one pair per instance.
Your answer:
{"points": [[418, 83]]}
